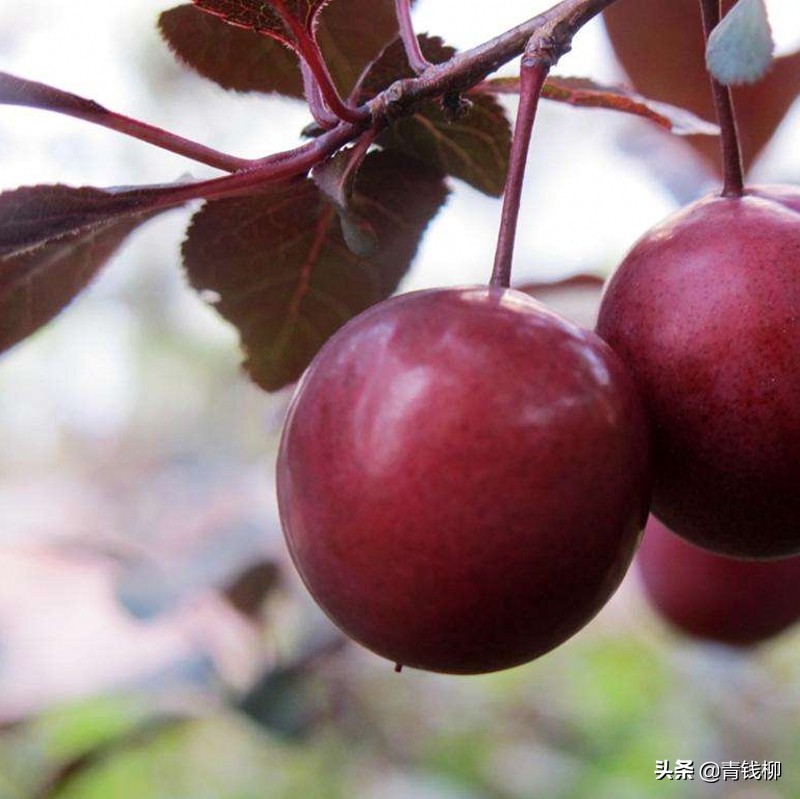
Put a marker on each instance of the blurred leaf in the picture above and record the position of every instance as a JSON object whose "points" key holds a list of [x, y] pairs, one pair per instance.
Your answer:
{"points": [[585, 93], [283, 273], [148, 587], [72, 769], [145, 589], [285, 700], [786, 195], [282, 702], [646, 35], [740, 48], [250, 589], [474, 148], [576, 298], [54, 240]]}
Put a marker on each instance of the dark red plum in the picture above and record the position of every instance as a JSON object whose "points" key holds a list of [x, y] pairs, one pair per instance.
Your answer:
{"points": [[463, 477], [709, 596], [705, 312]]}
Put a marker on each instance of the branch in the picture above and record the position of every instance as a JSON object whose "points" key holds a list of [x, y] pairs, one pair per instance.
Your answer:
{"points": [[273, 168], [31, 94], [465, 70], [559, 24], [460, 73]]}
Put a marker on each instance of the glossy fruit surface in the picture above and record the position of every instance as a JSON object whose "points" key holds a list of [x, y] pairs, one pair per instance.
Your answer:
{"points": [[462, 478], [705, 312], [714, 597]]}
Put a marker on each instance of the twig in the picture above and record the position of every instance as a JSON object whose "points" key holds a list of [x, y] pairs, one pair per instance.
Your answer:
{"points": [[31, 94], [416, 59]]}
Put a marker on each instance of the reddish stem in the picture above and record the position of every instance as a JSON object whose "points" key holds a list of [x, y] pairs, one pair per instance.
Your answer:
{"points": [[321, 113], [533, 73], [31, 94], [416, 59], [273, 168], [733, 185], [309, 52]]}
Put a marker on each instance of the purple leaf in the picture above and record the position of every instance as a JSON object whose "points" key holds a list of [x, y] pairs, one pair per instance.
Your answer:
{"points": [[282, 269]]}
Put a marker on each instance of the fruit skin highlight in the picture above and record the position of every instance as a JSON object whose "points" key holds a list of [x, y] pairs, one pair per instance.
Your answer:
{"points": [[705, 312], [720, 599], [462, 478]]}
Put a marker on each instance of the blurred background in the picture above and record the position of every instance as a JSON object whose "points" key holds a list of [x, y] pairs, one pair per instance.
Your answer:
{"points": [[154, 640]]}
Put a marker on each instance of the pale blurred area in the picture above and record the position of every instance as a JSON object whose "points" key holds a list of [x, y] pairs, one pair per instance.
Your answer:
{"points": [[136, 485]]}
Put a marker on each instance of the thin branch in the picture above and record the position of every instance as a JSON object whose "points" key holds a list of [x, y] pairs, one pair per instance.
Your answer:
{"points": [[468, 68], [31, 94], [733, 185], [416, 59], [273, 168]]}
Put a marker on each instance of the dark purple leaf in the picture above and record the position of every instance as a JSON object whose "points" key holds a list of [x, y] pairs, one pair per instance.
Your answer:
{"points": [[232, 57], [266, 18], [53, 241], [39, 283], [33, 216], [350, 34], [474, 147], [282, 270]]}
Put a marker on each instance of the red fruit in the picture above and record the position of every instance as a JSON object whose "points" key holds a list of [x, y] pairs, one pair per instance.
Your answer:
{"points": [[705, 312], [714, 597], [462, 478]]}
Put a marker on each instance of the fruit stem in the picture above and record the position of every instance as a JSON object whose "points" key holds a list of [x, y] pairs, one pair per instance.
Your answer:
{"points": [[733, 185], [416, 59], [533, 72]]}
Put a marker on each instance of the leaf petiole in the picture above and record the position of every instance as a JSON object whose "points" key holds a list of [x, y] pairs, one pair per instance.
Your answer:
{"points": [[31, 94]]}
